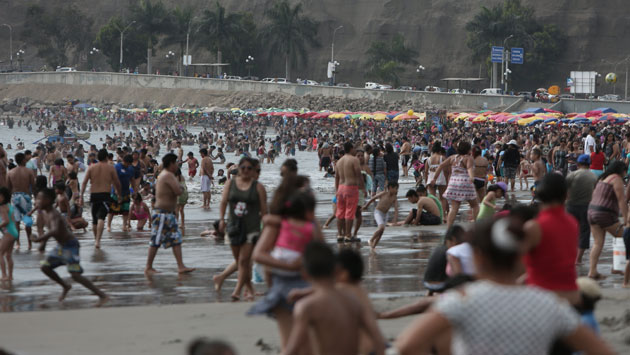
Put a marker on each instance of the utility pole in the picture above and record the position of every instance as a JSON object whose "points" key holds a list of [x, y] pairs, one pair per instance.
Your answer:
{"points": [[505, 59], [122, 33], [332, 54], [10, 43]]}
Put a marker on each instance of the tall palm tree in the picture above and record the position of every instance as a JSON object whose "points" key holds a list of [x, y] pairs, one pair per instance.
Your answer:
{"points": [[182, 24], [220, 29], [289, 33], [152, 20]]}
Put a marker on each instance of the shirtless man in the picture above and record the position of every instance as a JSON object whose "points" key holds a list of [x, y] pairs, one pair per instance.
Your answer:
{"points": [[206, 171], [538, 168], [325, 153], [180, 152], [386, 200], [348, 182], [164, 229], [405, 154], [67, 252], [102, 176], [330, 311], [427, 211], [72, 164], [20, 182]]}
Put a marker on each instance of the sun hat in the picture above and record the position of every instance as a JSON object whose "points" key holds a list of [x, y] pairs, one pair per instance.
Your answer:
{"points": [[503, 186]]}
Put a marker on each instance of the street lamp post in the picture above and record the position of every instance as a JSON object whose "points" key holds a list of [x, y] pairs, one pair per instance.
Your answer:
{"points": [[248, 63], [19, 54], [122, 33], [504, 63], [169, 56], [332, 53], [420, 69], [92, 52], [10, 42]]}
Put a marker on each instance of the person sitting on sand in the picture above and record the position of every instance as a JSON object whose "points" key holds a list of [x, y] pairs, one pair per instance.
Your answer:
{"points": [[140, 212], [386, 200], [330, 311], [428, 205], [66, 252]]}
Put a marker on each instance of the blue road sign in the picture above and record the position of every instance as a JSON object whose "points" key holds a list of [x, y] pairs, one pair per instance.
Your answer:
{"points": [[496, 56], [517, 55]]}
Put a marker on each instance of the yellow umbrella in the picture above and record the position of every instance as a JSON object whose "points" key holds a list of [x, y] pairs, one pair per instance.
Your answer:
{"points": [[380, 117], [366, 116], [480, 119]]}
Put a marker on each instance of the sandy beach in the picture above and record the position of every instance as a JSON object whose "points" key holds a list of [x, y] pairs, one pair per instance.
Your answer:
{"points": [[168, 329]]}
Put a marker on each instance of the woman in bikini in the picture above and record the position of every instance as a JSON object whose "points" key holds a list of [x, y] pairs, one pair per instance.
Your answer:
{"points": [[603, 211], [431, 166], [481, 173]]}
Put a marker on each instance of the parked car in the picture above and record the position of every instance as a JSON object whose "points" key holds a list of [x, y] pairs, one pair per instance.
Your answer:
{"points": [[432, 88], [308, 82], [459, 91], [233, 77], [281, 81], [268, 80], [609, 97], [405, 88], [567, 96], [371, 85], [491, 91], [252, 78], [526, 95], [65, 69], [343, 85], [385, 87]]}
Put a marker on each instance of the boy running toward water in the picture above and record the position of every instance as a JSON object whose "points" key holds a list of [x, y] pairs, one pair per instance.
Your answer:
{"points": [[67, 252], [386, 200], [330, 311]]}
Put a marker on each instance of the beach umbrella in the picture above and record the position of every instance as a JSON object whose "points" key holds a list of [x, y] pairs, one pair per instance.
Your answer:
{"points": [[405, 116], [480, 119], [83, 106], [379, 117]]}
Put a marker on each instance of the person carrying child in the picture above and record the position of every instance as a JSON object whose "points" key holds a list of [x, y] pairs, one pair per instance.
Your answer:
{"points": [[386, 200], [280, 248]]}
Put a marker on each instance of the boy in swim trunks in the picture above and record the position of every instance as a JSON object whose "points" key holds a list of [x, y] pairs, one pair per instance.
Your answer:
{"points": [[193, 164], [386, 200], [66, 252]]}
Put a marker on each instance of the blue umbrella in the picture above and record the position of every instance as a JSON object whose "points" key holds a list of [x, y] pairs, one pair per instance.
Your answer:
{"points": [[83, 106], [534, 122]]}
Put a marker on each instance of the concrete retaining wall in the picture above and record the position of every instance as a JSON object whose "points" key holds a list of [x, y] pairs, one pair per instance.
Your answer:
{"points": [[575, 105], [449, 101]]}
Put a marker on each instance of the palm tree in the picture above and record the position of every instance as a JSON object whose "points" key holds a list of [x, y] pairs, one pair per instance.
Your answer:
{"points": [[183, 23], [220, 30], [288, 32], [152, 20]]}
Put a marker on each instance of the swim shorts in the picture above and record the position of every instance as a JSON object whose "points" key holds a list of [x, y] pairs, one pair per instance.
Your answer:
{"points": [[67, 254], [205, 183], [426, 218], [164, 229], [509, 172], [324, 162], [405, 159], [380, 218], [192, 173], [22, 204], [119, 208], [100, 206], [347, 201]]}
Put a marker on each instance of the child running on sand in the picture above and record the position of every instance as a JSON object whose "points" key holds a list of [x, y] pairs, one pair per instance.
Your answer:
{"points": [[330, 311], [67, 252], [386, 200], [9, 234]]}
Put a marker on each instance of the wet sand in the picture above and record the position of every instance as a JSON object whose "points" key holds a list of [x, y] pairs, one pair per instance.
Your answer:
{"points": [[168, 329]]}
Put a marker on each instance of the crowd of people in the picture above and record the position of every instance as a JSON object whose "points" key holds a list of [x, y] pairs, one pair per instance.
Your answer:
{"points": [[506, 283]]}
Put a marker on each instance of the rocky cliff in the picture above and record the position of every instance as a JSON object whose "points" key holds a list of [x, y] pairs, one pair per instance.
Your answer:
{"points": [[435, 28]]}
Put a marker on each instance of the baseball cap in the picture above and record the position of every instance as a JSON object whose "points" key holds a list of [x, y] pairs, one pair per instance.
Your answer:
{"points": [[513, 142], [584, 159]]}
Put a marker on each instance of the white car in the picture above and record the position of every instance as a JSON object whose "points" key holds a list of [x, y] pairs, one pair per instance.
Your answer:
{"points": [[65, 69], [491, 91], [267, 80], [459, 91], [385, 87], [233, 77], [280, 81], [371, 85]]}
